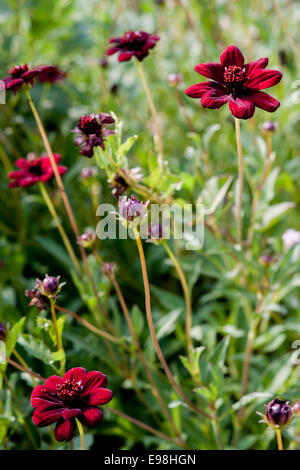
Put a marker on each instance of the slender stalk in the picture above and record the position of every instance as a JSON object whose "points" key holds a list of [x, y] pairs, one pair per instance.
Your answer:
{"points": [[241, 180], [141, 356], [81, 433], [59, 226], [57, 335], [24, 364], [89, 325], [279, 439], [22, 369], [187, 296], [258, 190], [142, 425], [153, 111], [65, 200], [183, 110], [152, 329]]}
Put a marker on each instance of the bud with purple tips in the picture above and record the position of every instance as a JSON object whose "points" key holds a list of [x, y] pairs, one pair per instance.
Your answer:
{"points": [[51, 285], [269, 128], [266, 260], [87, 239], [278, 413], [89, 172], [155, 233], [132, 210], [175, 79], [296, 408]]}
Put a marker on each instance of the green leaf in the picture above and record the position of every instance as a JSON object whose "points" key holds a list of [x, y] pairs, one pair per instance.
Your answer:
{"points": [[219, 355], [274, 213]]}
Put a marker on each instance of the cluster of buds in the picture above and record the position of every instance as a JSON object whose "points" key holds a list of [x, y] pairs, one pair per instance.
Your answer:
{"points": [[44, 291], [87, 239], [2, 332], [278, 414]]}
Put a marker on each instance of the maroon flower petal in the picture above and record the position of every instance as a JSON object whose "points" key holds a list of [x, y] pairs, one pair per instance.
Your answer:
{"points": [[264, 101], [124, 56], [45, 415], [77, 374], [242, 107], [256, 64], [198, 90], [232, 56], [214, 99], [93, 380], [42, 396], [112, 50], [260, 79], [68, 414], [215, 71], [52, 382], [100, 396], [91, 416], [65, 430]]}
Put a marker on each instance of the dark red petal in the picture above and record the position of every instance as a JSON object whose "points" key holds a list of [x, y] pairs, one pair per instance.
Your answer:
{"points": [[65, 430], [76, 374], [91, 417], [71, 413], [47, 176], [261, 79], [112, 50], [232, 56], [100, 396], [28, 180], [45, 415], [42, 396], [62, 170], [124, 56], [214, 99], [93, 380], [214, 70], [52, 382], [256, 64], [242, 107], [198, 90], [264, 101]]}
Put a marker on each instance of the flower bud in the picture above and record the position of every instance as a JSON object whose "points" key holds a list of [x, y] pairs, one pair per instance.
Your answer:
{"points": [[278, 413], [296, 408], [132, 209], [103, 63], [2, 332], [290, 238], [269, 128], [87, 239], [155, 233], [51, 285], [88, 172], [175, 79], [109, 269], [266, 260]]}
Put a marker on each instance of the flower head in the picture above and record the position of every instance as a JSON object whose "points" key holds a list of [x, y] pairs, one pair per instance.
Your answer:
{"points": [[22, 75], [78, 394], [269, 127], [89, 172], [174, 79], [278, 413], [51, 285], [132, 210], [34, 169], [266, 260], [290, 238], [91, 132], [133, 43], [109, 269], [121, 182], [236, 83], [43, 291], [87, 239], [296, 408], [155, 233], [2, 332]]}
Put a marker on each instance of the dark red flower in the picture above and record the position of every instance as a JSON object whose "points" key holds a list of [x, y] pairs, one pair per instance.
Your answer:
{"points": [[78, 394], [278, 413], [237, 83], [91, 132], [34, 169], [133, 43], [21, 74]]}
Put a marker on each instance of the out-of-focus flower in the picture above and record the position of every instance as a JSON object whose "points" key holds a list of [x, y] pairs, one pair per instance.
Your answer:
{"points": [[131, 209], [109, 269], [89, 172], [282, 55], [290, 238], [87, 239], [78, 394], [22, 75], [266, 260], [91, 132], [2, 332], [278, 413], [155, 233], [236, 83], [133, 43], [34, 169], [296, 408], [103, 63], [175, 79], [121, 182], [269, 127]]}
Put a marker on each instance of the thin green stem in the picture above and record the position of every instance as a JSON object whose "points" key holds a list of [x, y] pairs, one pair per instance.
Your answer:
{"points": [[81, 433], [152, 329], [59, 226], [241, 181], [187, 296], [153, 111], [57, 335], [279, 439]]}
